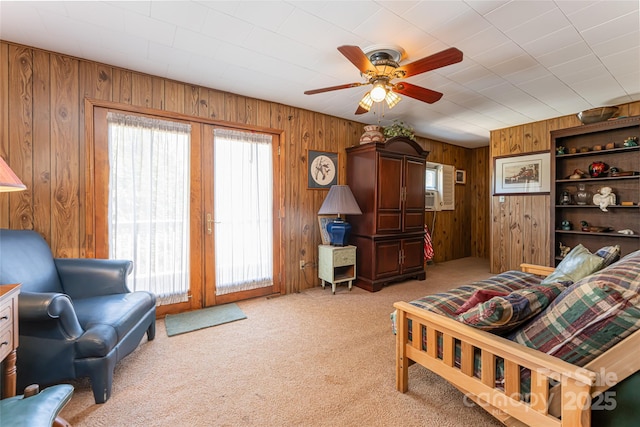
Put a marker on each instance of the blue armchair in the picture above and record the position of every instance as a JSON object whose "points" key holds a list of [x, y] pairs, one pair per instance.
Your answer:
{"points": [[77, 318]]}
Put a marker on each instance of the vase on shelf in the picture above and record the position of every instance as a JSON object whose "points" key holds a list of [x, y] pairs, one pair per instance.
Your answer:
{"points": [[598, 169], [372, 133], [582, 196]]}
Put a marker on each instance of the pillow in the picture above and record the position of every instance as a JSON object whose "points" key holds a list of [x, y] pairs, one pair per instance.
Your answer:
{"points": [[625, 273], [609, 254], [593, 317], [481, 295], [447, 303], [503, 313], [577, 264]]}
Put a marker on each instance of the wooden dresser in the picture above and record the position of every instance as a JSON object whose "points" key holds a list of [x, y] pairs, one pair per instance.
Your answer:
{"points": [[387, 180], [8, 337]]}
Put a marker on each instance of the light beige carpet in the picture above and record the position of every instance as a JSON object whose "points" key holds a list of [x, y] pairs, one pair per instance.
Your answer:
{"points": [[306, 359]]}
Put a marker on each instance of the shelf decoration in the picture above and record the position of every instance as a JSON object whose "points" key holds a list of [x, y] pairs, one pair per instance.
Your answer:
{"points": [[522, 174], [372, 133], [604, 198]]}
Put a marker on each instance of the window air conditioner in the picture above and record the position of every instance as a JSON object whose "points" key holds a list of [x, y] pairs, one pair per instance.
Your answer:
{"points": [[432, 201]]}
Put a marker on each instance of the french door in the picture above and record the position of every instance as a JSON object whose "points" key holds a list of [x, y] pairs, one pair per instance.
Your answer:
{"points": [[232, 236], [242, 244]]}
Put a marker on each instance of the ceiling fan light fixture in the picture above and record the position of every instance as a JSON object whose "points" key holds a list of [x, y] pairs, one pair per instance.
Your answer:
{"points": [[392, 99], [378, 92], [366, 102]]}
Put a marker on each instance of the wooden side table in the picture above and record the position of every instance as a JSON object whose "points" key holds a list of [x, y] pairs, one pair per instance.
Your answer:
{"points": [[336, 264], [9, 337]]}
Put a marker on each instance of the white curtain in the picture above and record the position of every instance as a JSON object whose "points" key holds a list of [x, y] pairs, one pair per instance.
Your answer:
{"points": [[243, 203], [149, 202]]}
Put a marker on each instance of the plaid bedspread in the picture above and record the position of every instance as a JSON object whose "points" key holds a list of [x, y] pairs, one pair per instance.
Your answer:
{"points": [[590, 316], [446, 303]]}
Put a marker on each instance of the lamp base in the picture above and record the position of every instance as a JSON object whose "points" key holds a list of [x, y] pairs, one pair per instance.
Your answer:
{"points": [[339, 232]]}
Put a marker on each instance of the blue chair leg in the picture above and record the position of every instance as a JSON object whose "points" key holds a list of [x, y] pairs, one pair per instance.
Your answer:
{"points": [[151, 332], [101, 377]]}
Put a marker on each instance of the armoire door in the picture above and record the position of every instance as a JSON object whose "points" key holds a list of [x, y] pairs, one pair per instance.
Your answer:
{"points": [[414, 177], [389, 212]]}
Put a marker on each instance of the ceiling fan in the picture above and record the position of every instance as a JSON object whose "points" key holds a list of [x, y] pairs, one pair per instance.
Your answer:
{"points": [[379, 66]]}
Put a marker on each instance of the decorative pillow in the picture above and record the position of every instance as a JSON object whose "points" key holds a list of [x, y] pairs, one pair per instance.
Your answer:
{"points": [[577, 264], [589, 320], [481, 295], [503, 313], [609, 254], [447, 303]]}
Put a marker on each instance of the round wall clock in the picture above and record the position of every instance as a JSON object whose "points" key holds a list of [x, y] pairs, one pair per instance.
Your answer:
{"points": [[323, 167]]}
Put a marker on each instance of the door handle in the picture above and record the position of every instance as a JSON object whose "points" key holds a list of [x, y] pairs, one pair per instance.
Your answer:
{"points": [[209, 222]]}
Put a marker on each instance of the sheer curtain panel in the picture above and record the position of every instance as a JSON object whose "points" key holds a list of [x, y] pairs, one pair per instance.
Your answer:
{"points": [[149, 183], [243, 210]]}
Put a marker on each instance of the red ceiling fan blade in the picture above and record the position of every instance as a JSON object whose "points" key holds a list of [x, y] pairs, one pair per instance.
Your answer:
{"points": [[417, 92], [330, 88], [358, 58], [361, 110], [437, 60]]}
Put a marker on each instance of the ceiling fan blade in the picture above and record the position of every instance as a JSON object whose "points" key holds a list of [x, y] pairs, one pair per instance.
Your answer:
{"points": [[417, 92], [437, 60], [361, 110], [357, 57], [330, 88]]}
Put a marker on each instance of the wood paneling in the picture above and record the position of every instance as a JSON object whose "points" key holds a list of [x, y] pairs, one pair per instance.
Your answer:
{"points": [[520, 226], [42, 123], [41, 145], [4, 125], [478, 183], [20, 150]]}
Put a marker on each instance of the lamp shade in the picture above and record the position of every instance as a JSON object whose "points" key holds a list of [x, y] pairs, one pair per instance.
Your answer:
{"points": [[366, 102], [339, 201], [9, 181]]}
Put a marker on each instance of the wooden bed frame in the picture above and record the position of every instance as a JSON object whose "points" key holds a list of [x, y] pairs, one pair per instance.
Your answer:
{"points": [[566, 404]]}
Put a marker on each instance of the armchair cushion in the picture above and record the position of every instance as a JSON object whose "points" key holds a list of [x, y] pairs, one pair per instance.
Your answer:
{"points": [[120, 313]]}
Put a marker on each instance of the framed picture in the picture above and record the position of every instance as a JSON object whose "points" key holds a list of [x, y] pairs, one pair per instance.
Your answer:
{"points": [[323, 220], [461, 176], [322, 169], [522, 174]]}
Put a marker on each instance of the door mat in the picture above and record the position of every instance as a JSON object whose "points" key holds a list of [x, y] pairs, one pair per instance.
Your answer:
{"points": [[199, 319]]}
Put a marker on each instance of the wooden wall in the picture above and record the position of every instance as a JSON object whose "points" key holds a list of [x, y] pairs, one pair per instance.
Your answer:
{"points": [[520, 228], [43, 139]]}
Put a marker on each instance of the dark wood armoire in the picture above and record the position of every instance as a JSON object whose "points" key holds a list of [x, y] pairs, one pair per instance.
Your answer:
{"points": [[387, 180]]}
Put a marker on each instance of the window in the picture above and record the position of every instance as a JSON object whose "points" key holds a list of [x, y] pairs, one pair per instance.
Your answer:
{"points": [[440, 179], [431, 181]]}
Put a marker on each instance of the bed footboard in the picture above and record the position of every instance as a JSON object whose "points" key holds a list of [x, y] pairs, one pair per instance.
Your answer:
{"points": [[432, 342]]}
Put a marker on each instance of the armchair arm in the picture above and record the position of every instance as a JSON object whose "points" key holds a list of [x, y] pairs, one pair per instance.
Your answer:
{"points": [[88, 277], [40, 307]]}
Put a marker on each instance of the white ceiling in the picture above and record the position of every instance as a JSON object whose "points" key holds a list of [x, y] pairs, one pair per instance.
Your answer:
{"points": [[523, 60]]}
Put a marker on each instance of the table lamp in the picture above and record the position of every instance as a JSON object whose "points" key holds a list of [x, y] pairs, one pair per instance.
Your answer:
{"points": [[9, 181], [339, 201]]}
